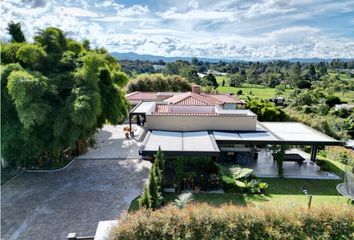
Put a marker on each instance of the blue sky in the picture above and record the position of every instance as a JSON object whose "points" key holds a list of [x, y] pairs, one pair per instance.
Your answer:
{"points": [[248, 30]]}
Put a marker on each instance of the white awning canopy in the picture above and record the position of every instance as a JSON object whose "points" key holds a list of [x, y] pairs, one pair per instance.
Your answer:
{"points": [[292, 133], [143, 108], [296, 132], [184, 143]]}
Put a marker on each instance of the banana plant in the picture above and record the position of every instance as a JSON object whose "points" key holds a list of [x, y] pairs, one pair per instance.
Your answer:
{"points": [[234, 174]]}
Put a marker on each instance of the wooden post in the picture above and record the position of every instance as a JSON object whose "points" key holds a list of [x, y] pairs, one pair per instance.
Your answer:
{"points": [[310, 201]]}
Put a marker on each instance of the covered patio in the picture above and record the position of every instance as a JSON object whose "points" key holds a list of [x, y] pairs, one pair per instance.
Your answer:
{"points": [[248, 148], [264, 166]]}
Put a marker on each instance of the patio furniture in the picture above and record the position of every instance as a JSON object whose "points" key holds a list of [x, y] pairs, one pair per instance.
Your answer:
{"points": [[293, 157], [346, 189], [127, 131]]}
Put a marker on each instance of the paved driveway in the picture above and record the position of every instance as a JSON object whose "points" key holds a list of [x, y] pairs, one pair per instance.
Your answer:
{"points": [[50, 205], [112, 144]]}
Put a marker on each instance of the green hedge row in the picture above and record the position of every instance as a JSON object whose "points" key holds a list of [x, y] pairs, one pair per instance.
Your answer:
{"points": [[202, 221]]}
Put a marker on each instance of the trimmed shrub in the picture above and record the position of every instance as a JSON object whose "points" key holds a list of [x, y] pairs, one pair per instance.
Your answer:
{"points": [[145, 199], [201, 221]]}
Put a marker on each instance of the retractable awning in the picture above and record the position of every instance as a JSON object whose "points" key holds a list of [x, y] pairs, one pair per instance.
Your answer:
{"points": [[298, 133], [180, 143], [292, 133]]}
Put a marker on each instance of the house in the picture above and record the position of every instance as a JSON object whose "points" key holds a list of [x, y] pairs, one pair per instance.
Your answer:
{"points": [[227, 100], [346, 106], [216, 73], [158, 67], [194, 123], [278, 101]]}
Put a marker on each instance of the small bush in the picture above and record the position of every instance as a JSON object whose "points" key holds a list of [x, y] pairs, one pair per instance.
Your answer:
{"points": [[201, 221]]}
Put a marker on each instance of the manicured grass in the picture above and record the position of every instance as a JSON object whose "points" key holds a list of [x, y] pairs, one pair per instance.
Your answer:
{"points": [[281, 192], [252, 90]]}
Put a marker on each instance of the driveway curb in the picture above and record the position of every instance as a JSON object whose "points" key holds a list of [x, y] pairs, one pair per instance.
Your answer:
{"points": [[11, 179], [54, 170]]}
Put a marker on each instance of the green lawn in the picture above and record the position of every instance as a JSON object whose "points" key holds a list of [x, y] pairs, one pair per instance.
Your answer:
{"points": [[252, 90], [281, 192]]}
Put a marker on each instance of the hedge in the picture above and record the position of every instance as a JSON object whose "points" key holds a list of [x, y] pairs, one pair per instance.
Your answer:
{"points": [[202, 221]]}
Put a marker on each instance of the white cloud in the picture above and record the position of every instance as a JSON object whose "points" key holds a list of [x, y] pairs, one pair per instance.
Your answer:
{"points": [[78, 12], [196, 14], [266, 7], [193, 4], [250, 30]]}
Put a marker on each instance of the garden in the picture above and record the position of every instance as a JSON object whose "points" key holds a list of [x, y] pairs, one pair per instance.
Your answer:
{"points": [[219, 183]]}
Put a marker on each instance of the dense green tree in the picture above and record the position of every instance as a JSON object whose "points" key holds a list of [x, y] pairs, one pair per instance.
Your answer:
{"points": [[236, 80], [14, 29], [265, 110], [194, 61], [158, 83], [310, 73], [210, 80], [154, 189], [46, 109], [31, 55], [159, 166], [322, 69], [8, 52], [295, 74], [332, 100], [145, 199], [86, 44], [280, 90]]}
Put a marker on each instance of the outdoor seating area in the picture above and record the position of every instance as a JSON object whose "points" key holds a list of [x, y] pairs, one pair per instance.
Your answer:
{"points": [[264, 166]]}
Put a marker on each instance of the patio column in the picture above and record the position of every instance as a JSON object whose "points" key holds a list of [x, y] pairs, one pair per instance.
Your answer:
{"points": [[130, 121], [313, 153]]}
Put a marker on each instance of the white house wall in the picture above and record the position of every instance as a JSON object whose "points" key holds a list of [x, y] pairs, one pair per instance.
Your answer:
{"points": [[199, 123]]}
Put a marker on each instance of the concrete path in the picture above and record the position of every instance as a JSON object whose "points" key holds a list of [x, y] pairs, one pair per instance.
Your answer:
{"points": [[112, 144], [50, 205]]}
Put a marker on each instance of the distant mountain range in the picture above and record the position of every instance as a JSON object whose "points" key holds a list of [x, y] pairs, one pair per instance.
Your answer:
{"points": [[154, 58]]}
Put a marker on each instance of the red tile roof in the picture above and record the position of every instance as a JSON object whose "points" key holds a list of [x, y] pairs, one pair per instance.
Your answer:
{"points": [[224, 98], [190, 98], [141, 96], [162, 108], [187, 98]]}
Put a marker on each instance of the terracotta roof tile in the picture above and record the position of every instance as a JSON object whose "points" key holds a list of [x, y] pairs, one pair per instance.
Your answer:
{"points": [[189, 98], [224, 98], [141, 96]]}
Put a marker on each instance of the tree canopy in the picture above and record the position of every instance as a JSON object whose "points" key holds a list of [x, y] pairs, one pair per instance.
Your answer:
{"points": [[16, 33], [55, 93], [159, 83]]}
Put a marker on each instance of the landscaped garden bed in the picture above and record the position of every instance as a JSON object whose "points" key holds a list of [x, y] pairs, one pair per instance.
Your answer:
{"points": [[280, 192]]}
